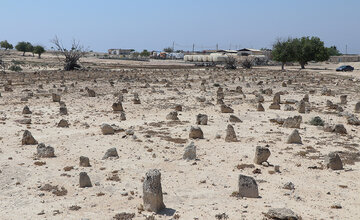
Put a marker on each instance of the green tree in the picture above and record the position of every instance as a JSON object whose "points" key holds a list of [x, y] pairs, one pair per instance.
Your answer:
{"points": [[309, 49], [145, 53], [168, 50], [283, 51], [24, 47], [6, 45], [333, 51], [39, 50], [30, 48]]}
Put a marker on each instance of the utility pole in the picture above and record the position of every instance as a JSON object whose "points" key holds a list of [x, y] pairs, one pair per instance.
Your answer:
{"points": [[346, 49]]}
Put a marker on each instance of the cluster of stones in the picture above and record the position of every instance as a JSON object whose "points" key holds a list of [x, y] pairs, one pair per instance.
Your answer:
{"points": [[247, 185]]}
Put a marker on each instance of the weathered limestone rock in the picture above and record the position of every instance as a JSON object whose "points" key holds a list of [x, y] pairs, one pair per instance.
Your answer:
{"points": [[333, 161], [259, 98], [226, 109], [260, 107], [122, 116], [63, 123], [289, 186], [234, 119], [279, 121], [357, 107], [117, 106], [317, 121], [136, 101], [220, 101], [56, 97], [178, 108], [24, 121], [343, 99], [239, 89], [196, 133], [26, 110], [261, 154], [267, 91], [281, 214], [84, 180], [172, 116], [152, 191], [306, 98], [230, 134], [84, 161], [91, 93], [340, 129], [106, 129], [43, 151], [277, 98], [201, 119], [248, 187], [331, 105], [220, 93], [294, 138], [288, 108], [190, 152], [326, 91], [112, 152], [301, 107], [275, 106], [292, 122], [353, 120], [28, 139], [63, 109]]}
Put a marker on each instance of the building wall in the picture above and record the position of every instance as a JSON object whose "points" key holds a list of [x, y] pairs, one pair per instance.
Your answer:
{"points": [[345, 58]]}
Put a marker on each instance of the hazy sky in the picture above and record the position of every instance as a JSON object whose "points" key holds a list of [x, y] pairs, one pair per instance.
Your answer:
{"points": [[153, 25]]}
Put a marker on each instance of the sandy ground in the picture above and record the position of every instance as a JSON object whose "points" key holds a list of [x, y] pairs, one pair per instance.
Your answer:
{"points": [[191, 190]]}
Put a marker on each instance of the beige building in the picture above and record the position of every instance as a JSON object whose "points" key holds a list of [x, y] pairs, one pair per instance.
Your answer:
{"points": [[345, 58], [248, 51]]}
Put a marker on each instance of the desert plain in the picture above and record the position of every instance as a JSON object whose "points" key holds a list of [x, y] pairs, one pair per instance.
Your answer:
{"points": [[294, 176]]}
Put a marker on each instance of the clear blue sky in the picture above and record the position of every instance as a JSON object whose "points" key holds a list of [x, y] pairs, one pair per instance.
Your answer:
{"points": [[152, 24]]}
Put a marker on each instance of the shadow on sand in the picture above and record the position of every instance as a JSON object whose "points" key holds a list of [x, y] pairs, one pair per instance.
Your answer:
{"points": [[167, 212]]}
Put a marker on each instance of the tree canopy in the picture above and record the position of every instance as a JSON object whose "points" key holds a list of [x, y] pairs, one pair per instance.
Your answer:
{"points": [[39, 50], [302, 50], [283, 51], [145, 53], [333, 51], [6, 45], [24, 47]]}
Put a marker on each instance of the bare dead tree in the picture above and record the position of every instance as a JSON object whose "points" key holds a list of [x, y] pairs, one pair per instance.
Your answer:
{"points": [[230, 63], [72, 56], [247, 63]]}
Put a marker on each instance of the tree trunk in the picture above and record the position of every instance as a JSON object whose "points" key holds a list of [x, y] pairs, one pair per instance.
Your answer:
{"points": [[23, 53], [302, 65], [282, 66], [39, 56]]}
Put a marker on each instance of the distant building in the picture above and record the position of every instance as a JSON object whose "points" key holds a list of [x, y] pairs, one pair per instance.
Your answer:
{"points": [[345, 58], [248, 51], [120, 51]]}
